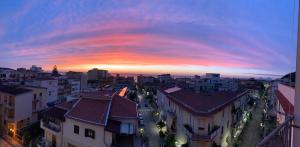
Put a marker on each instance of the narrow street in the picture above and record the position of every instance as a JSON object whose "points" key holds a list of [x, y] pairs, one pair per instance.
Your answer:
{"points": [[151, 131], [252, 131]]}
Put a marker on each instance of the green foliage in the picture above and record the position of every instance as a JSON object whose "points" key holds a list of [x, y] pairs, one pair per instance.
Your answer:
{"points": [[170, 140], [160, 124], [162, 134], [132, 96]]}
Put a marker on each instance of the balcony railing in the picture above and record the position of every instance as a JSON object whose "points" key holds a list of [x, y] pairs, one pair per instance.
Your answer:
{"points": [[51, 125], [280, 137], [206, 136]]}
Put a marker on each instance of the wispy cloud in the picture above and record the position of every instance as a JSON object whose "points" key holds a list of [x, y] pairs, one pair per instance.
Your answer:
{"points": [[193, 33]]}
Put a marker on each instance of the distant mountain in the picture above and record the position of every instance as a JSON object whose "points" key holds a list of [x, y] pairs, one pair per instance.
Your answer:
{"points": [[291, 76]]}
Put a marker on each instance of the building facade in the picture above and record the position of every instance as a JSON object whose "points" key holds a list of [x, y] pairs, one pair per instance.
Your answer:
{"points": [[201, 119]]}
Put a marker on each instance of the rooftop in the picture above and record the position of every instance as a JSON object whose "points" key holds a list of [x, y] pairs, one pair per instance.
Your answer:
{"points": [[91, 111], [202, 103], [123, 107], [13, 90], [102, 94]]}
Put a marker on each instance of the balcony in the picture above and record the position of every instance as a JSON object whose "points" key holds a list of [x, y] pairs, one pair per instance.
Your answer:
{"points": [[51, 125], [280, 137], [202, 137]]}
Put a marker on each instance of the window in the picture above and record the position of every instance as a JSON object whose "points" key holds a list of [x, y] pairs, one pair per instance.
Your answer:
{"points": [[89, 133], [49, 93], [34, 96], [41, 94], [76, 129]]}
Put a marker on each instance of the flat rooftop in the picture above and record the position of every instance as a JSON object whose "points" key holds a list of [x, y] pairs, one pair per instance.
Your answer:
{"points": [[13, 90]]}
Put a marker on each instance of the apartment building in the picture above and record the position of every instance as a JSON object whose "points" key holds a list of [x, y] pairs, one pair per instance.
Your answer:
{"points": [[100, 118], [75, 87], [47, 82], [7, 74], [201, 119], [165, 79], [39, 101], [285, 96], [19, 108], [97, 74]]}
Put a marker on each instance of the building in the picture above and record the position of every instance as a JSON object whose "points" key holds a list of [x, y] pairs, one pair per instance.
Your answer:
{"points": [[100, 118], [39, 101], [201, 119], [75, 87], [19, 109], [285, 97], [24, 74], [97, 74], [121, 82], [165, 79], [79, 76], [47, 82], [213, 82], [36, 69], [8, 75], [64, 88]]}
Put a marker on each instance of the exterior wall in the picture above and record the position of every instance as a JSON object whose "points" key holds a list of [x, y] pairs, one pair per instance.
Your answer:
{"points": [[288, 92], [130, 121], [102, 138], [23, 106], [52, 135], [83, 82], [41, 98], [75, 87], [52, 87], [222, 119]]}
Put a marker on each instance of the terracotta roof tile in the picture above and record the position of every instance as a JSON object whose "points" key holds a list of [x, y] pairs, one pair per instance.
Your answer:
{"points": [[123, 107], [90, 111], [203, 103]]}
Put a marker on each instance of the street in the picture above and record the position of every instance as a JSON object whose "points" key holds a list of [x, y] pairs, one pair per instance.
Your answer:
{"points": [[252, 133], [151, 131]]}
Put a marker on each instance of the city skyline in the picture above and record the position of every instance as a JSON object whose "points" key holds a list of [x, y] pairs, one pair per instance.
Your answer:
{"points": [[182, 37]]}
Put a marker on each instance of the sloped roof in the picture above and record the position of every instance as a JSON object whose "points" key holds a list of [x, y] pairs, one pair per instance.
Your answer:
{"points": [[91, 111], [203, 103]]}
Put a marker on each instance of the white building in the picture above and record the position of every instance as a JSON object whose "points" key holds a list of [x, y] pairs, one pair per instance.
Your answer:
{"points": [[75, 87], [7, 74], [50, 83]]}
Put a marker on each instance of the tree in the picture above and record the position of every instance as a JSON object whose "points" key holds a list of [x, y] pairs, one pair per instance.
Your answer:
{"points": [[160, 124], [133, 96], [170, 140], [55, 71]]}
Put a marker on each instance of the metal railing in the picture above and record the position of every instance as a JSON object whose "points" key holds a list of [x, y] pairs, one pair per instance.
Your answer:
{"points": [[280, 137]]}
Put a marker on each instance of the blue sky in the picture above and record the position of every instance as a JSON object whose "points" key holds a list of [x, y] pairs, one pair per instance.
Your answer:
{"points": [[232, 37]]}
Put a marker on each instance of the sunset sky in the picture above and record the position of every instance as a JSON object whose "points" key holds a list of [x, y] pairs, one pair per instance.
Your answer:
{"points": [[233, 37]]}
